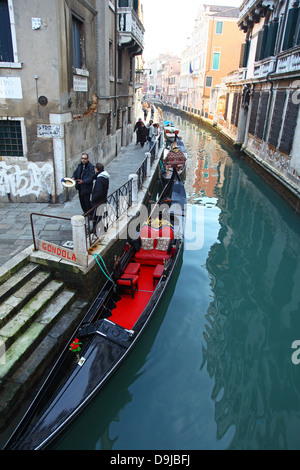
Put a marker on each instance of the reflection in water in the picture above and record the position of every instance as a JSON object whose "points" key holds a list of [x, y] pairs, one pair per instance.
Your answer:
{"points": [[254, 317], [254, 269]]}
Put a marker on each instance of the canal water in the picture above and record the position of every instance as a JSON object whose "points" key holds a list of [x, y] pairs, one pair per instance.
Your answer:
{"points": [[215, 369]]}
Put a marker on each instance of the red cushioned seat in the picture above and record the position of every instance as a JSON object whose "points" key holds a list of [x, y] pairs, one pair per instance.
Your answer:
{"points": [[132, 268], [151, 257], [158, 272], [129, 281]]}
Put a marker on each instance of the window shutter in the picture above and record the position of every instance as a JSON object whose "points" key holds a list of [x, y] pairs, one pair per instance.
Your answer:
{"points": [[277, 118], [265, 35], [271, 40], [289, 126], [261, 115], [258, 47], [255, 100]]}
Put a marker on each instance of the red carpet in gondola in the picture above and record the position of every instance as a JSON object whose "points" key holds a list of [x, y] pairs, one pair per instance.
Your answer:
{"points": [[128, 309]]}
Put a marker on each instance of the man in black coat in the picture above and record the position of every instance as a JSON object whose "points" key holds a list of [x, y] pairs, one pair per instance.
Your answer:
{"points": [[99, 195], [84, 176]]}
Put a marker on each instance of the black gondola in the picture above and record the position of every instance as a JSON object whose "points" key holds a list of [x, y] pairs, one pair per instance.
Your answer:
{"points": [[175, 156], [112, 325]]}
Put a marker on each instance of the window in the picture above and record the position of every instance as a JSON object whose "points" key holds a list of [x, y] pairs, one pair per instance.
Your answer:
{"points": [[111, 59], [219, 27], [78, 43], [292, 35], [136, 5], [11, 139], [6, 47], [216, 61], [208, 81], [120, 64]]}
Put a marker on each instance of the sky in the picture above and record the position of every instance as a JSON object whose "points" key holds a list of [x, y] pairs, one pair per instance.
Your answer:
{"points": [[168, 23]]}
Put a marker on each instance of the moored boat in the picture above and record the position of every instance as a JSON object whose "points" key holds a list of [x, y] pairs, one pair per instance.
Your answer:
{"points": [[113, 323], [170, 131], [174, 157]]}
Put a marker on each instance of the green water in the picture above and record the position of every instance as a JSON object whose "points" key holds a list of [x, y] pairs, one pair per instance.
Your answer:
{"points": [[214, 369]]}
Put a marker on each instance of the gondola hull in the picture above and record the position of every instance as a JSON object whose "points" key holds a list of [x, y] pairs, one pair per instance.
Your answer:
{"points": [[106, 335]]}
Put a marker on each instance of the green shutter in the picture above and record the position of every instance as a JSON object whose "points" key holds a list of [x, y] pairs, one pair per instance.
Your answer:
{"points": [[291, 27], [216, 61]]}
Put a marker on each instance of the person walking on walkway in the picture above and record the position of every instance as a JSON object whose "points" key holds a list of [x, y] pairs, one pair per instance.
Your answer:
{"points": [[137, 128], [143, 134], [84, 176], [151, 135]]}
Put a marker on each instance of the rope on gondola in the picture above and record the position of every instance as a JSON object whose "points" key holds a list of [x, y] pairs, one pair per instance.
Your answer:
{"points": [[105, 268]]}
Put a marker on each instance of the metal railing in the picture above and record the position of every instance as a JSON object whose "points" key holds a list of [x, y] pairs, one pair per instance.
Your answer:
{"points": [[142, 173], [106, 213]]}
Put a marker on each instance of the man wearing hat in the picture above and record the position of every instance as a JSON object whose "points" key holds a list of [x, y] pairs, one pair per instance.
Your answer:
{"points": [[84, 176]]}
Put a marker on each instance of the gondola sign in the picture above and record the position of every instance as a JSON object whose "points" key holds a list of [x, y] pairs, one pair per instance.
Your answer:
{"points": [[61, 252]]}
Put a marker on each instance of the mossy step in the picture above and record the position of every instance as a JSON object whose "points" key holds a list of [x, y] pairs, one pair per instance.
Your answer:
{"points": [[22, 383], [17, 325], [23, 346], [17, 280], [11, 266], [14, 303]]}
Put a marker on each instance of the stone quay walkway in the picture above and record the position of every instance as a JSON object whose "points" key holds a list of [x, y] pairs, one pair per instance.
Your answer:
{"points": [[15, 225]]}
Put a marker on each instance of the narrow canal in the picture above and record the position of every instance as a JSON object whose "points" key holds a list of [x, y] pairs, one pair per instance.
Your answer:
{"points": [[215, 369]]}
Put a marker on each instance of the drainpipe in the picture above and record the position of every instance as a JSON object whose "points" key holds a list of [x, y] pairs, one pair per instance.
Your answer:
{"points": [[116, 56]]}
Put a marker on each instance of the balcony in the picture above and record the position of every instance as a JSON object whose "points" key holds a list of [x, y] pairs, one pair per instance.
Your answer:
{"points": [[289, 62], [130, 30]]}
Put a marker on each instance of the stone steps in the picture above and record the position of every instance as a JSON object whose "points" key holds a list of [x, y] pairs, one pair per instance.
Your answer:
{"points": [[38, 314]]}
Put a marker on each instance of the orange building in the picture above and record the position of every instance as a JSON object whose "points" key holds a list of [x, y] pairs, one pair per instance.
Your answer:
{"points": [[213, 53]]}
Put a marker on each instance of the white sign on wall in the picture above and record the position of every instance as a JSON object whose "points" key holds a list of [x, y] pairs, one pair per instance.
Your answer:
{"points": [[80, 83], [36, 23], [49, 131], [10, 88]]}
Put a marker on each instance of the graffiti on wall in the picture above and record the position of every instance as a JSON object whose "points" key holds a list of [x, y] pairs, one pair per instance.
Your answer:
{"points": [[32, 180]]}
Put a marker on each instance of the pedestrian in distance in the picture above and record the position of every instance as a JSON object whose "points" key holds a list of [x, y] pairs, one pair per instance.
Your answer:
{"points": [[84, 176], [152, 111]]}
